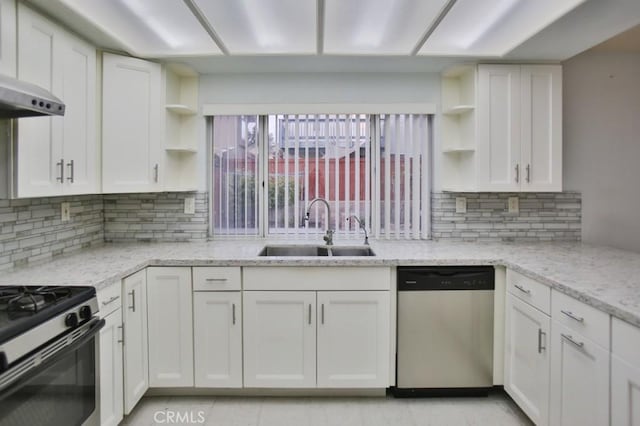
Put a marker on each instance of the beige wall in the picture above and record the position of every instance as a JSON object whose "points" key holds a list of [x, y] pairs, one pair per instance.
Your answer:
{"points": [[602, 145]]}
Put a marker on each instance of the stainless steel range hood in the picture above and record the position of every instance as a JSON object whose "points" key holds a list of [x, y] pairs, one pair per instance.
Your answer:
{"points": [[21, 99]]}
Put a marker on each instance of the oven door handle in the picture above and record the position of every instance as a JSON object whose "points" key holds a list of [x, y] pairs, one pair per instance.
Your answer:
{"points": [[12, 379]]}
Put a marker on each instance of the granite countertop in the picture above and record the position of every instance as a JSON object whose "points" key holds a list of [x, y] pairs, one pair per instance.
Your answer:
{"points": [[606, 278]]}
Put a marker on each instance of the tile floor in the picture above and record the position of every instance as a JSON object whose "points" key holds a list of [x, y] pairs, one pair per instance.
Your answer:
{"points": [[494, 410]]}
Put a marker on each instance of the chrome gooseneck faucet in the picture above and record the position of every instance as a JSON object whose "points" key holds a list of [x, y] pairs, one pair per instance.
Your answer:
{"points": [[328, 237], [361, 225]]}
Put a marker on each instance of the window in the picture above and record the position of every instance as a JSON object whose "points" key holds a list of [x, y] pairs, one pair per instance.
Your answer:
{"points": [[267, 169]]}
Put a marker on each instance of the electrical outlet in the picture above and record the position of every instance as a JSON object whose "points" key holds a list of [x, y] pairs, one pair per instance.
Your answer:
{"points": [[461, 205], [65, 212], [190, 205], [514, 205]]}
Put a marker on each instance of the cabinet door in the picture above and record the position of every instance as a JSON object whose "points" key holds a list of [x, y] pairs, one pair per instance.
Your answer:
{"points": [[526, 376], [131, 125], [579, 379], [625, 393], [136, 364], [39, 155], [498, 148], [279, 339], [541, 122], [217, 330], [353, 339], [7, 39], [79, 124], [111, 373], [170, 327]]}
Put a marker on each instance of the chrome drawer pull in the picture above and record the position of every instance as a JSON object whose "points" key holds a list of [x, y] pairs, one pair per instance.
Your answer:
{"points": [[522, 289], [573, 316], [570, 340], [233, 313], [113, 299], [540, 334], [212, 280]]}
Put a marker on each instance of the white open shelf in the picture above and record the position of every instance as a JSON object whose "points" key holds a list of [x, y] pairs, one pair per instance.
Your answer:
{"points": [[181, 133], [181, 109]]}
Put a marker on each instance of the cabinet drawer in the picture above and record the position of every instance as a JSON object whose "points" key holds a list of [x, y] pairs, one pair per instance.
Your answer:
{"points": [[625, 341], [214, 278], [580, 317], [529, 290], [109, 299]]}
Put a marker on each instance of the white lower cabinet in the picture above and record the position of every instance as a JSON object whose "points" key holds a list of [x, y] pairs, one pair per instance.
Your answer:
{"points": [[279, 339], [579, 379], [136, 359], [625, 393], [169, 299], [625, 374], [217, 330], [353, 339], [527, 360], [111, 372]]}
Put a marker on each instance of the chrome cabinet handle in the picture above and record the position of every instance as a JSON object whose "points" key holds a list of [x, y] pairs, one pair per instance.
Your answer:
{"points": [[233, 314], [322, 314], [528, 173], [121, 327], [569, 338], [155, 173], [61, 165], [71, 166], [540, 334], [132, 293], [522, 289], [517, 173], [210, 280], [309, 313], [573, 316], [111, 300]]}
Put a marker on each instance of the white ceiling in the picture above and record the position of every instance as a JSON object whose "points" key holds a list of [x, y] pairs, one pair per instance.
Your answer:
{"points": [[344, 35]]}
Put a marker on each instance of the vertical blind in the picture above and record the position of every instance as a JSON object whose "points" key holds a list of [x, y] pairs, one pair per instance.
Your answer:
{"points": [[372, 166]]}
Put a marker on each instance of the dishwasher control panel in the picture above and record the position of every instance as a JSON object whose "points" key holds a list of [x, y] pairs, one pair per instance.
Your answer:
{"points": [[420, 278]]}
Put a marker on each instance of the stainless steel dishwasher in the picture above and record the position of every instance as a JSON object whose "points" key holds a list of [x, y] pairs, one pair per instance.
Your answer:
{"points": [[445, 330]]}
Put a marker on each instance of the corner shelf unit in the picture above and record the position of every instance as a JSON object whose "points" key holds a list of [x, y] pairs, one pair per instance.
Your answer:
{"points": [[181, 123], [459, 128]]}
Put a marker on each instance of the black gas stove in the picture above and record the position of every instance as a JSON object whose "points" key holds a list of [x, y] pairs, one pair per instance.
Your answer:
{"points": [[32, 315], [48, 338]]}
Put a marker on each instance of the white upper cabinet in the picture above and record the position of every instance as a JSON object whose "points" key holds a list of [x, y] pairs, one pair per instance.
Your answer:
{"points": [[56, 155], [502, 128], [8, 37], [132, 125], [498, 148]]}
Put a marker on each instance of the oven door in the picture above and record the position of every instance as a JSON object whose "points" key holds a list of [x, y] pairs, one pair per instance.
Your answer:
{"points": [[56, 385]]}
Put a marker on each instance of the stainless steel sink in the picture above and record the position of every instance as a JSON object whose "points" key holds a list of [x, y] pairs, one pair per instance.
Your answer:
{"points": [[352, 251], [294, 250], [315, 251]]}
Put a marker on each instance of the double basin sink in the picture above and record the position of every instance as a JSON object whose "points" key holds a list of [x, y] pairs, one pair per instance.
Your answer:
{"points": [[304, 250]]}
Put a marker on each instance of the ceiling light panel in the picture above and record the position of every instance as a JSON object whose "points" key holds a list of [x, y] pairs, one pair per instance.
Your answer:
{"points": [[149, 27], [492, 27], [249, 27], [388, 27]]}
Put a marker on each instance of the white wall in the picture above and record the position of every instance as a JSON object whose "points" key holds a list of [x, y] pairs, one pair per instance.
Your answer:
{"points": [[328, 87], [602, 145], [319, 88]]}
